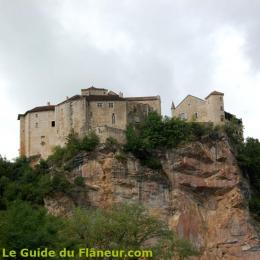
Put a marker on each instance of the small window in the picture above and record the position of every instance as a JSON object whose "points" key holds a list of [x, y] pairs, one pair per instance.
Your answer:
{"points": [[221, 118], [36, 115], [111, 105], [221, 108], [113, 119], [91, 114], [52, 123], [36, 125], [221, 98], [183, 116], [100, 104], [196, 115]]}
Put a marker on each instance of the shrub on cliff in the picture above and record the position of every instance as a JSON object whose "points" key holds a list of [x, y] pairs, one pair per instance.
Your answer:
{"points": [[157, 133], [73, 146], [249, 160]]}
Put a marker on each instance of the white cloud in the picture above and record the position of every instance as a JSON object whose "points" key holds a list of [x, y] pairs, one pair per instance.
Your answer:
{"points": [[9, 131], [233, 75]]}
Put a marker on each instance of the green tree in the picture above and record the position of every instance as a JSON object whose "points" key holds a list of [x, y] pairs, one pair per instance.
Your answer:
{"points": [[126, 227], [22, 226]]}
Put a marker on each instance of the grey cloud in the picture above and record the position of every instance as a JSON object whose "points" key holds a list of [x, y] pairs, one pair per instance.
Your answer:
{"points": [[170, 56]]}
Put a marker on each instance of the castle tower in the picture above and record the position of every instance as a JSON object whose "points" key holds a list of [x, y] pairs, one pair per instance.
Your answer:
{"points": [[215, 107]]}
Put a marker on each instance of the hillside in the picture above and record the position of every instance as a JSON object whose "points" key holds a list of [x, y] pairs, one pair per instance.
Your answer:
{"points": [[199, 191], [186, 176]]}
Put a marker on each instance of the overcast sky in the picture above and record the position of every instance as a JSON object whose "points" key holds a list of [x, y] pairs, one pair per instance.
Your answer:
{"points": [[51, 49]]}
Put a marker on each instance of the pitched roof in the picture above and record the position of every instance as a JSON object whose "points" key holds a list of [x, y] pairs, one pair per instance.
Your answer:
{"points": [[187, 97], [76, 97], [214, 93], [38, 109]]}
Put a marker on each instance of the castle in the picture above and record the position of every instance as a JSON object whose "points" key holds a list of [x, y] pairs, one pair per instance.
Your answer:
{"points": [[107, 114], [210, 109], [96, 109]]}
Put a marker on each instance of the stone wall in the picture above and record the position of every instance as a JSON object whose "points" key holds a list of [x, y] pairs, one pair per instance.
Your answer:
{"points": [[39, 134], [195, 109], [108, 113], [105, 131], [70, 116], [215, 108]]}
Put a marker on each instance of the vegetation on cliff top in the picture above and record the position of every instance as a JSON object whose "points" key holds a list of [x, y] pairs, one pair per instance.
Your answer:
{"points": [[157, 132]]}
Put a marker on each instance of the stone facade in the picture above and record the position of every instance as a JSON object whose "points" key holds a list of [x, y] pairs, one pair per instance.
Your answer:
{"points": [[96, 109], [210, 109]]}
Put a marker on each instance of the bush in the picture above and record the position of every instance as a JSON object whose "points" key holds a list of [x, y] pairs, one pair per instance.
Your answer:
{"points": [[22, 226], [79, 181], [126, 227], [89, 142], [153, 163], [74, 145], [60, 183], [234, 131], [157, 133], [249, 160]]}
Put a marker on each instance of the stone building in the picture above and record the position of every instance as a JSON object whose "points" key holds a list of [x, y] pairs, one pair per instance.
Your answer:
{"points": [[96, 109], [210, 109]]}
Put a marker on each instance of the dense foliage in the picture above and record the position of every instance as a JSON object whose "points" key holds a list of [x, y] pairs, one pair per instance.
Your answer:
{"points": [[24, 223], [74, 145], [157, 132], [18, 181], [249, 160]]}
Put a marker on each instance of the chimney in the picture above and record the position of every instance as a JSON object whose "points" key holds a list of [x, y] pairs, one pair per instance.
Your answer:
{"points": [[48, 103], [67, 97], [120, 94]]}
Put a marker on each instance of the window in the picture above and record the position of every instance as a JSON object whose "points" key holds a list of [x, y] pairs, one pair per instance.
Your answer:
{"points": [[36, 125], [42, 140], [221, 118], [111, 105], [52, 123], [183, 116], [100, 104], [91, 114], [221, 108], [36, 115], [196, 115], [113, 119]]}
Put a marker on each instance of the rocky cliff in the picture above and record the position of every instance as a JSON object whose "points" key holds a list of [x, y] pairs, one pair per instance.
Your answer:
{"points": [[200, 192]]}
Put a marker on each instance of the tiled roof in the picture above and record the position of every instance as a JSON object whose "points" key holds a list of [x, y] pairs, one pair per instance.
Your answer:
{"points": [[38, 109], [76, 97], [215, 93]]}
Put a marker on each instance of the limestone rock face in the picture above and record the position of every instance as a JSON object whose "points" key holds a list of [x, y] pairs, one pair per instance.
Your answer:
{"points": [[200, 192]]}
